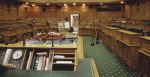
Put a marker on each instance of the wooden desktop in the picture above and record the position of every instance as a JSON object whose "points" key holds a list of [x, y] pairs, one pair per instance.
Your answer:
{"points": [[124, 43], [129, 45], [16, 34], [46, 37], [68, 55], [144, 54]]}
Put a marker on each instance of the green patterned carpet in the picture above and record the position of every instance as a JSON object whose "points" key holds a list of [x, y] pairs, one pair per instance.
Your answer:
{"points": [[106, 61]]}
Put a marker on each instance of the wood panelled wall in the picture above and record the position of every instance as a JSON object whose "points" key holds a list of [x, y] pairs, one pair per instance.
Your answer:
{"points": [[70, 1], [127, 11], [65, 11], [8, 12], [141, 10], [23, 11], [136, 11]]}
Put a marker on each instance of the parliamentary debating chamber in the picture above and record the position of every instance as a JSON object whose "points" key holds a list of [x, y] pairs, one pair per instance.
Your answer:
{"points": [[74, 38]]}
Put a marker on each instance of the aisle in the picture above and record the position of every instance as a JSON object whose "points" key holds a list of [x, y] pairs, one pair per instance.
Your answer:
{"points": [[106, 62]]}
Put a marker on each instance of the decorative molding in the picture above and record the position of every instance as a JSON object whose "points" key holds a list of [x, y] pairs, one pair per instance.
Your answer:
{"points": [[69, 1]]}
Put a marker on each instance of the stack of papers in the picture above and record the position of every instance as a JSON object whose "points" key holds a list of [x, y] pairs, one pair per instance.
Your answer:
{"points": [[64, 62], [59, 56]]}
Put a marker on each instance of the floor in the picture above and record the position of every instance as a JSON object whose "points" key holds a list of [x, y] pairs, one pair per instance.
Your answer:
{"points": [[107, 62]]}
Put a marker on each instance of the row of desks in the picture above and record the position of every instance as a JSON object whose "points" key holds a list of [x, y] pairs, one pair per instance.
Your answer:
{"points": [[20, 30], [46, 37], [16, 32], [129, 46], [89, 31]]}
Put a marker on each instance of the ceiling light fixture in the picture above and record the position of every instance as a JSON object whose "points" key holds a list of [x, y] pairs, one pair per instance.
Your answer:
{"points": [[33, 4], [101, 3], [65, 4], [121, 2], [74, 4], [47, 4], [26, 3], [83, 4]]}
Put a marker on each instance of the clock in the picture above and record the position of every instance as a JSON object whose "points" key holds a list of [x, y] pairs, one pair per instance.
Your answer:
{"points": [[17, 54]]}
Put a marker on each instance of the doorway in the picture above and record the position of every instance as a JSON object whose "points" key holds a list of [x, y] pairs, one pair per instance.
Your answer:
{"points": [[74, 20]]}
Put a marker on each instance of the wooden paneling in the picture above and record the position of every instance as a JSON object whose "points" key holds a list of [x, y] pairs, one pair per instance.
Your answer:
{"points": [[134, 11], [8, 12], [145, 56], [141, 11], [24, 11], [65, 11], [124, 43], [69, 1], [127, 11]]}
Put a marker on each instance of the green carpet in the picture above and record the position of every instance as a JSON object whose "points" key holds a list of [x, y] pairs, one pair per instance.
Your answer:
{"points": [[106, 61]]}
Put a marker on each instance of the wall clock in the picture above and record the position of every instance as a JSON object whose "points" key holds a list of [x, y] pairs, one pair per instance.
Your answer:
{"points": [[17, 54]]}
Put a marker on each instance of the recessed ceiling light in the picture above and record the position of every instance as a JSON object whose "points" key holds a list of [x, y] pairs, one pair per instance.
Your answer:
{"points": [[33, 4], [101, 3], [65, 4], [83, 4], [26, 3], [121, 2], [74, 3], [47, 4]]}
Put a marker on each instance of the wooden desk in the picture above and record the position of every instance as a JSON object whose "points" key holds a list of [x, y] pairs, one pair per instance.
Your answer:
{"points": [[145, 56], [112, 38], [85, 31], [100, 34], [40, 37], [69, 54], [9, 34], [129, 54], [18, 33], [111, 31], [129, 44], [124, 43], [25, 32], [129, 37], [55, 37], [146, 28], [104, 32], [109, 36], [46, 37]]}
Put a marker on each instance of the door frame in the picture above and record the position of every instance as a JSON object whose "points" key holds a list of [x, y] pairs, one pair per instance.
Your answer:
{"points": [[71, 18]]}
